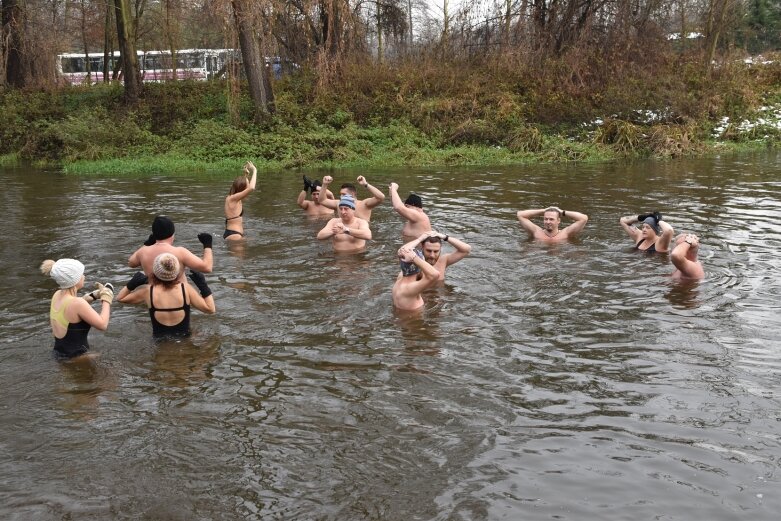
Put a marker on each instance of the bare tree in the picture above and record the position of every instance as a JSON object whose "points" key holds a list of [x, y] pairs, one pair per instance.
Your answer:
{"points": [[254, 61]]}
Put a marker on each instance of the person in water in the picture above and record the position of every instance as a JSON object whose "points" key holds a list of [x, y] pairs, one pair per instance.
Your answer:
{"points": [[417, 222], [168, 298], [347, 232], [430, 244], [241, 188], [314, 208], [416, 275], [551, 220], [684, 258], [363, 207], [653, 235], [71, 316], [162, 241]]}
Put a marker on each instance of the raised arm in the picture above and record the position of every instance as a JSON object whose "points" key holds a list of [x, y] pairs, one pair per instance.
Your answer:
{"points": [[663, 242], [462, 248], [328, 202], [401, 209], [377, 196], [688, 268], [628, 221], [248, 167], [579, 221], [524, 217], [202, 299], [190, 260]]}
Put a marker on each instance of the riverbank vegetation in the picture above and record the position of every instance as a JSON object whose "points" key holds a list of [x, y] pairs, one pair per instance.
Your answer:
{"points": [[583, 82]]}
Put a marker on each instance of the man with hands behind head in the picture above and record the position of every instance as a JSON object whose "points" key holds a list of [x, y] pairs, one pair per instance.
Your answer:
{"points": [[431, 246], [415, 276], [348, 232], [363, 207], [162, 241], [684, 258], [551, 219]]}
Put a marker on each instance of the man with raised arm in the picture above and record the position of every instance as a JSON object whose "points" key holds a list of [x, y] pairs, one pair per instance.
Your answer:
{"points": [[411, 209], [431, 245], [314, 207], [347, 232], [162, 241], [363, 207], [416, 275], [684, 258], [551, 219]]}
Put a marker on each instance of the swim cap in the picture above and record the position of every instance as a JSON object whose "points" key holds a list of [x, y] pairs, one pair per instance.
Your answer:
{"points": [[162, 227], [348, 201], [67, 272], [410, 268], [166, 267], [650, 221], [414, 200]]}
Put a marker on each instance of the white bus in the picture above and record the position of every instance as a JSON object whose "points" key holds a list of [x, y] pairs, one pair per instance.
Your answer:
{"points": [[155, 66]]}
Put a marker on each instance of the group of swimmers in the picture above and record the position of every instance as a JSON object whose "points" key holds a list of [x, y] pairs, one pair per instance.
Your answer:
{"points": [[162, 285]]}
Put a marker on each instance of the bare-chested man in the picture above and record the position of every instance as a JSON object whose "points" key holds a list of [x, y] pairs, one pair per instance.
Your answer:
{"points": [[348, 232], [411, 209], [416, 276], [363, 207], [431, 246], [162, 241], [684, 258], [551, 219], [314, 208]]}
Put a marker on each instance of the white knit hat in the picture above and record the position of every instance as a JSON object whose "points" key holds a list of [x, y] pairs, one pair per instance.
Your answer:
{"points": [[67, 272]]}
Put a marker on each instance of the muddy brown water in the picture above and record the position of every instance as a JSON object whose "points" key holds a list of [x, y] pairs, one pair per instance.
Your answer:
{"points": [[574, 381]]}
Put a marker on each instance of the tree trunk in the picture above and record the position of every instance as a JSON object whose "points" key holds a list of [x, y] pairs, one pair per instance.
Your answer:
{"points": [[127, 51], [12, 43], [380, 50], [254, 62]]}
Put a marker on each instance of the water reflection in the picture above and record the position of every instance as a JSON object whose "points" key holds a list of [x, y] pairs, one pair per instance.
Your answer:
{"points": [[684, 294]]}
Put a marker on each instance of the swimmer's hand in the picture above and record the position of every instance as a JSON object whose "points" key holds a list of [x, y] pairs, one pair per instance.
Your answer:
{"points": [[106, 292], [307, 184], [139, 279], [151, 240], [200, 281], [206, 239], [657, 217]]}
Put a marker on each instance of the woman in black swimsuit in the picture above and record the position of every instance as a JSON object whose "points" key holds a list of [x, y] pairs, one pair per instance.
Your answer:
{"points": [[242, 186], [71, 316], [653, 235], [168, 296]]}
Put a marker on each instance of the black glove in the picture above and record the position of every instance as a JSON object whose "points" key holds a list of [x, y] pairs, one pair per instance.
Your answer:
{"points": [[139, 279], [151, 240], [657, 216], [643, 216], [200, 281], [307, 184], [206, 239]]}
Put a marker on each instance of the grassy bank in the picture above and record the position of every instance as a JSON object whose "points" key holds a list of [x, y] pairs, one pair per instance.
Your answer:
{"points": [[373, 116]]}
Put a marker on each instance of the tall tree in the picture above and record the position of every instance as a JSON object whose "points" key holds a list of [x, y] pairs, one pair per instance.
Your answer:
{"points": [[254, 61], [12, 43], [126, 37]]}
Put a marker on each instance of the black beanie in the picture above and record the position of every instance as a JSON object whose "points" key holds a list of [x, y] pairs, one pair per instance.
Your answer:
{"points": [[162, 227]]}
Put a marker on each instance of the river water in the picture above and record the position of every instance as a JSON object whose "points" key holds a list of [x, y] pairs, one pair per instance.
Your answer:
{"points": [[573, 382]]}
